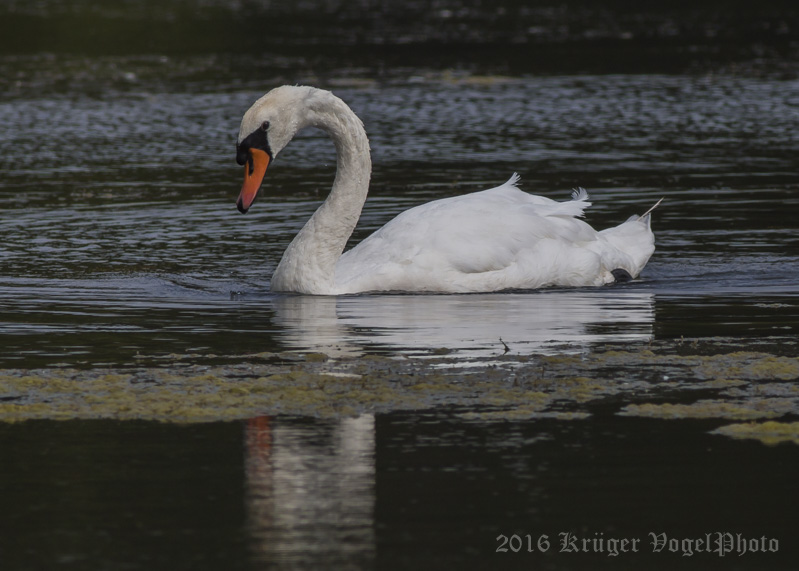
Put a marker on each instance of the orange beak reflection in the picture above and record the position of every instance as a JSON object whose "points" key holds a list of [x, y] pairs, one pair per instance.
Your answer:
{"points": [[254, 171]]}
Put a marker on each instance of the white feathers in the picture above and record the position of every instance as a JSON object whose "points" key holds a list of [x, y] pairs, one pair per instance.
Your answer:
{"points": [[579, 193], [496, 239]]}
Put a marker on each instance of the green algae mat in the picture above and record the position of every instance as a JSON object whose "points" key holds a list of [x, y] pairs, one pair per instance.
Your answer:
{"points": [[756, 391]]}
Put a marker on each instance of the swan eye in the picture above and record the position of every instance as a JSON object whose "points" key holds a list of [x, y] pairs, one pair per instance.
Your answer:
{"points": [[265, 125]]}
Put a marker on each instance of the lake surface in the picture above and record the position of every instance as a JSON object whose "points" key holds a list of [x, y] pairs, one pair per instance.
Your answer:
{"points": [[122, 253]]}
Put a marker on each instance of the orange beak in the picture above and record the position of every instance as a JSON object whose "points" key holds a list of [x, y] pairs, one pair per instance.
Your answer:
{"points": [[254, 171]]}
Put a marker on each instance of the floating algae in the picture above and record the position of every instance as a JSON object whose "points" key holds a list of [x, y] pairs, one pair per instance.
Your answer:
{"points": [[744, 386], [757, 408], [770, 433]]}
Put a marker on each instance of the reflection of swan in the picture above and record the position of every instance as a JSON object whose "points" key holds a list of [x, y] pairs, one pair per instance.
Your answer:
{"points": [[493, 240], [311, 492], [468, 325]]}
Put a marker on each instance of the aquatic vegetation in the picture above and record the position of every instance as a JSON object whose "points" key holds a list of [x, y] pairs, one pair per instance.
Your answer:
{"points": [[771, 432], [649, 381], [756, 408]]}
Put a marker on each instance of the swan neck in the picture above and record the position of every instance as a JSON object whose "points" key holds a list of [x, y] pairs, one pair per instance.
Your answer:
{"points": [[309, 263]]}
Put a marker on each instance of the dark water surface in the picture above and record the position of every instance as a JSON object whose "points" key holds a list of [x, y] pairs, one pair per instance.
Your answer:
{"points": [[121, 249], [389, 492]]}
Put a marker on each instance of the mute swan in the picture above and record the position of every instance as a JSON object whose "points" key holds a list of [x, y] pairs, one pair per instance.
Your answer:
{"points": [[497, 239]]}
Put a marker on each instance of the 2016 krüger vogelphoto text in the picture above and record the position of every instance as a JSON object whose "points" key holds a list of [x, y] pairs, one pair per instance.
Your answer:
{"points": [[718, 543]]}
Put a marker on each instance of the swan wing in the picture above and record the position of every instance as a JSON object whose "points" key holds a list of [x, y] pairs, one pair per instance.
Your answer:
{"points": [[495, 239]]}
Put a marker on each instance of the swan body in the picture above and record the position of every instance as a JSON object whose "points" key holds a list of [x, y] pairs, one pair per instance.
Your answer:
{"points": [[496, 239]]}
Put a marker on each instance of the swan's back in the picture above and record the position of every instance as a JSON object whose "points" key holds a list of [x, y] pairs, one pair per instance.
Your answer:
{"points": [[501, 238]]}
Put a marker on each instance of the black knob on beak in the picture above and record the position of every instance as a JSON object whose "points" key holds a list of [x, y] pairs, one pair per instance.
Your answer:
{"points": [[242, 155]]}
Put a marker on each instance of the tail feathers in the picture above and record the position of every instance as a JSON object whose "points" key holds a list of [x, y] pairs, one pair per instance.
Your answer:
{"points": [[626, 248]]}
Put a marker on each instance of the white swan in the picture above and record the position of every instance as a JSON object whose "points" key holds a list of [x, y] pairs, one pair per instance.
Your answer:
{"points": [[497, 239]]}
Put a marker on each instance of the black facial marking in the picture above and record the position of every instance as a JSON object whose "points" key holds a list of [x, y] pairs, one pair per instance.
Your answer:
{"points": [[255, 140]]}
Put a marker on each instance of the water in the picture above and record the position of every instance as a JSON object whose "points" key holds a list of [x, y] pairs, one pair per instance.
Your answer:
{"points": [[386, 493], [121, 250], [124, 227]]}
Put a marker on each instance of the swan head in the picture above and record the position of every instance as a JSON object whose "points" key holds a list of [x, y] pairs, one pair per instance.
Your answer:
{"points": [[266, 128]]}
